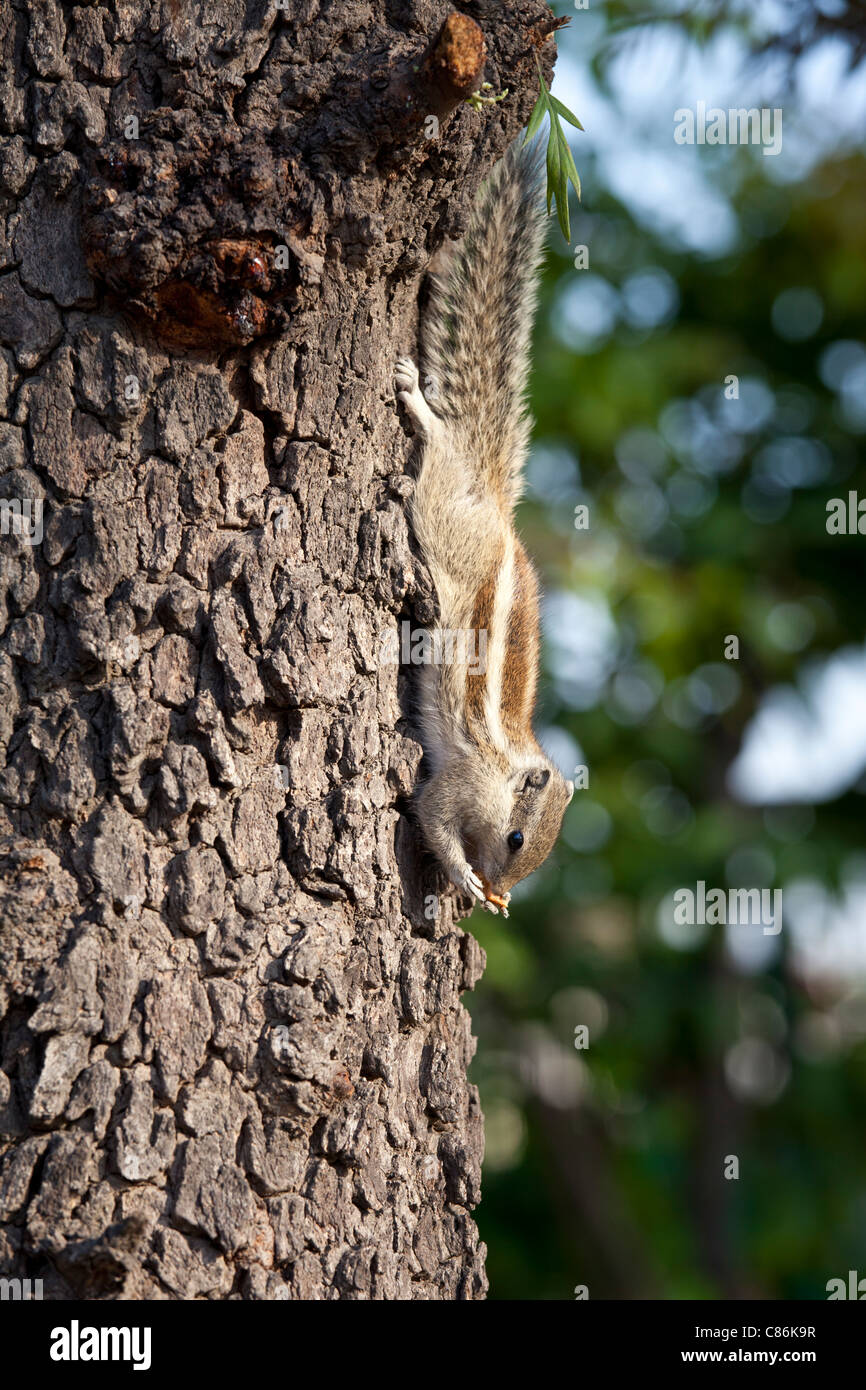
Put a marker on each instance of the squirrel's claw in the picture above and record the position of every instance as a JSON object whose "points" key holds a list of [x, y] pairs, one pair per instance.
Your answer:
{"points": [[406, 375], [470, 883], [497, 902], [412, 397]]}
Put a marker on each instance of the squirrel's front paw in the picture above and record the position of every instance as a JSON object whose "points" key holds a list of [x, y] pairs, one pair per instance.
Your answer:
{"points": [[468, 881]]}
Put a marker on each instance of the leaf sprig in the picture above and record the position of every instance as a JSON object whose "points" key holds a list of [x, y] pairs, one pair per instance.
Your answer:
{"points": [[479, 99], [560, 164]]}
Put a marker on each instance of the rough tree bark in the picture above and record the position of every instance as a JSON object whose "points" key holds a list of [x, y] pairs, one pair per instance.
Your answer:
{"points": [[232, 1052]]}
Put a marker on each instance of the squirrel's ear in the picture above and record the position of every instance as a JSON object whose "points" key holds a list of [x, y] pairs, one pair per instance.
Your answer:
{"points": [[570, 786], [535, 780]]}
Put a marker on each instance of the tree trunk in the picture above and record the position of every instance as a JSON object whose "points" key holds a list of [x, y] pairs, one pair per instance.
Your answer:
{"points": [[233, 1053]]}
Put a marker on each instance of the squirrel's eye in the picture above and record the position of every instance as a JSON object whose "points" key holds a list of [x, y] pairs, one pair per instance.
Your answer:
{"points": [[515, 840]]}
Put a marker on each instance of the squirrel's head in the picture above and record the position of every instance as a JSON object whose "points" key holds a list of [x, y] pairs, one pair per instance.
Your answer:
{"points": [[517, 823]]}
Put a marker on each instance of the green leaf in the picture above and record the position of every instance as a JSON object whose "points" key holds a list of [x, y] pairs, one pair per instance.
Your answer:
{"points": [[561, 169], [562, 204], [553, 170], [539, 111], [564, 111], [569, 166]]}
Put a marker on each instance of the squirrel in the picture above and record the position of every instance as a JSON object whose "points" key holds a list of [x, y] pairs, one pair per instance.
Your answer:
{"points": [[492, 805]]}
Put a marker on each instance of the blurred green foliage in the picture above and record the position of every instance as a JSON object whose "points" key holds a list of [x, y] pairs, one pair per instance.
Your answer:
{"points": [[606, 1165]]}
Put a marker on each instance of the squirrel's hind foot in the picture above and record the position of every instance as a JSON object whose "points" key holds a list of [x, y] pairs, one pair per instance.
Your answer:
{"points": [[409, 392]]}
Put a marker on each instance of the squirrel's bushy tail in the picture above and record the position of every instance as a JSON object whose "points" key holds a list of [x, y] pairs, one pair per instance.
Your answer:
{"points": [[479, 322]]}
